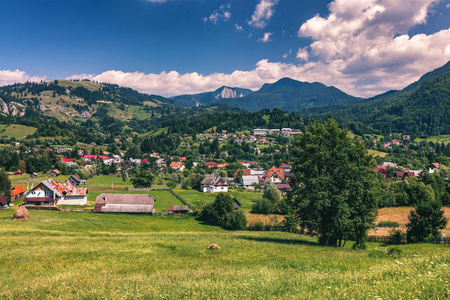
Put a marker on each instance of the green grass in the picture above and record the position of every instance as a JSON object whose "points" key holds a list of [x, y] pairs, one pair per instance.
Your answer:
{"points": [[18, 131], [246, 198], [3, 126], [377, 153], [438, 138], [106, 182], [76, 255]]}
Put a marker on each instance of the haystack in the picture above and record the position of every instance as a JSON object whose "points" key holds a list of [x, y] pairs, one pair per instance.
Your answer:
{"points": [[22, 213], [213, 247]]}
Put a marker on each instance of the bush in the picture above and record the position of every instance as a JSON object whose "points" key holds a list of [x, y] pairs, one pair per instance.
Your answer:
{"points": [[390, 224], [236, 220], [396, 237], [263, 206]]}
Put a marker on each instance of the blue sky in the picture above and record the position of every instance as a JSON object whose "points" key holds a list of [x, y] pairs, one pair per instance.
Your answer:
{"points": [[171, 47]]}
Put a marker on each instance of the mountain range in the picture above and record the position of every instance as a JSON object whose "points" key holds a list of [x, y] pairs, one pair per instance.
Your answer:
{"points": [[286, 94], [422, 107]]}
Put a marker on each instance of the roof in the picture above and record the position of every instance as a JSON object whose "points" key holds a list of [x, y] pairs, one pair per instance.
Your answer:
{"points": [[244, 172], [60, 188], [56, 171], [211, 163], [435, 165], [283, 186], [176, 164], [75, 177], [213, 180], [18, 172], [39, 199], [275, 170], [178, 207], [66, 159], [249, 179], [124, 203], [18, 189]]}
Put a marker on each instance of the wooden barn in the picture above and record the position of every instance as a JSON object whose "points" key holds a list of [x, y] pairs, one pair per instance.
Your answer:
{"points": [[178, 209], [125, 203]]}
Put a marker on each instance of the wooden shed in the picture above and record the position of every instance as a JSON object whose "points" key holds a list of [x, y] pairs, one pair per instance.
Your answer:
{"points": [[125, 203]]}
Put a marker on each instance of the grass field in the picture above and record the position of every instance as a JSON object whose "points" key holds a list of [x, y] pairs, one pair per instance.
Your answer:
{"points": [[18, 131], [438, 138], [76, 255], [194, 197], [377, 153]]}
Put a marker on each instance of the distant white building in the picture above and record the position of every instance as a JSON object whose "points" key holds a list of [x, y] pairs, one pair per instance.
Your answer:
{"points": [[259, 132], [213, 184], [248, 180]]}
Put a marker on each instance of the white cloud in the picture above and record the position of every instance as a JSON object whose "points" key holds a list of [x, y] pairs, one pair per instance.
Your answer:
{"points": [[303, 54], [266, 37], [10, 77], [367, 41], [362, 47], [222, 13], [286, 55], [238, 27], [263, 12]]}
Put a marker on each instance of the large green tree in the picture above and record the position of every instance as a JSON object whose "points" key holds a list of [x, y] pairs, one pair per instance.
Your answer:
{"points": [[335, 190], [5, 184]]}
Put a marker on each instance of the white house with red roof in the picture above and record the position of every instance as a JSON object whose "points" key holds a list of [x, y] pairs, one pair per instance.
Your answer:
{"points": [[51, 193]]}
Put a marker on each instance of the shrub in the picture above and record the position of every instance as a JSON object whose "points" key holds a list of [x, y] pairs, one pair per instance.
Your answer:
{"points": [[390, 224], [236, 220], [396, 237], [263, 206]]}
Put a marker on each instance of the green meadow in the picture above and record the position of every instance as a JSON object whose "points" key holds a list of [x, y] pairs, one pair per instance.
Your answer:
{"points": [[84, 255], [17, 131]]}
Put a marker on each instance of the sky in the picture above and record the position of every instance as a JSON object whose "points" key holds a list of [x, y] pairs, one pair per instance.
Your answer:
{"points": [[173, 47]]}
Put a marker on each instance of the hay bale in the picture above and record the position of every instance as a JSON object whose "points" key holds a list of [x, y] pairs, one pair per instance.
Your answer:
{"points": [[22, 213], [213, 247]]}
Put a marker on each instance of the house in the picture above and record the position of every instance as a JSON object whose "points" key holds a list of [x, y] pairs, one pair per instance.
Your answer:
{"points": [[55, 173], [236, 204], [283, 187], [213, 184], [275, 175], [33, 175], [18, 172], [50, 193], [245, 172], [211, 164], [296, 131], [125, 203], [274, 131], [177, 165], [17, 192], [260, 132], [248, 181], [161, 163], [178, 209], [75, 181], [286, 131], [406, 137], [433, 167], [395, 142]]}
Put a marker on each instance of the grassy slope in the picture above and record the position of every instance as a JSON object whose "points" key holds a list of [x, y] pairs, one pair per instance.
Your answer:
{"points": [[18, 131], [57, 255]]}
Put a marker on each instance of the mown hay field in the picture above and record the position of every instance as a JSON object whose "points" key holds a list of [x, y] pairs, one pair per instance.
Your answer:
{"points": [[84, 255]]}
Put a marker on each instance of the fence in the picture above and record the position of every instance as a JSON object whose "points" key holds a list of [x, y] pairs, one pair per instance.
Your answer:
{"points": [[180, 198], [137, 189], [390, 240]]}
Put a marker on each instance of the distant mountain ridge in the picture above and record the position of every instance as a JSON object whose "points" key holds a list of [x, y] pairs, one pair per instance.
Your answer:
{"points": [[223, 92], [286, 94]]}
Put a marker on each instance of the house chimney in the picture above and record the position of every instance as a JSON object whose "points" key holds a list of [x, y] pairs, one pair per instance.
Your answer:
{"points": [[106, 197]]}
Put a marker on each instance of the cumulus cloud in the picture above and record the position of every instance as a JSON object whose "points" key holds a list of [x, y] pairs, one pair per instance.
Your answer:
{"points": [[263, 12], [10, 77], [286, 55], [222, 13], [368, 40], [362, 47], [303, 54], [266, 37]]}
